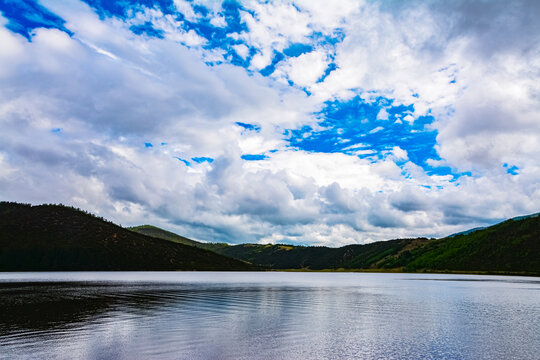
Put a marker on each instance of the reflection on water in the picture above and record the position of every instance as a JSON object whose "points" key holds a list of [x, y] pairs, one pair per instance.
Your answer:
{"points": [[267, 316]]}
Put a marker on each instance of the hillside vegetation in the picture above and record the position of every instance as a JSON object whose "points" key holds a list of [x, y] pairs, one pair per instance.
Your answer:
{"points": [[511, 247], [54, 238], [319, 257], [300, 257]]}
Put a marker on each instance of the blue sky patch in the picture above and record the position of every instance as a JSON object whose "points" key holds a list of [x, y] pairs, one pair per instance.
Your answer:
{"points": [[202, 159], [187, 163], [269, 70], [146, 29], [252, 157], [353, 127], [331, 67], [26, 15], [512, 170], [297, 49], [250, 127], [334, 39]]}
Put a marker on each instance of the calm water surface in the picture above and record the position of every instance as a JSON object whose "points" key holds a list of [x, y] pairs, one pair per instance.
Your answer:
{"points": [[204, 315]]}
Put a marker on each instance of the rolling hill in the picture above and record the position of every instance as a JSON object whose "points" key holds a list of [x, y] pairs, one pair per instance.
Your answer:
{"points": [[297, 257], [59, 238], [56, 237], [511, 247]]}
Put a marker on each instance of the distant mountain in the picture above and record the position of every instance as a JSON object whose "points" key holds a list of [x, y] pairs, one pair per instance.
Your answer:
{"points": [[511, 247], [59, 238]]}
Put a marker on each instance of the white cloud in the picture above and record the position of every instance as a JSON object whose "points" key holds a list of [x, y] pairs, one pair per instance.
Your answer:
{"points": [[218, 21], [273, 28], [261, 60], [110, 91], [408, 118], [383, 114], [185, 8], [305, 69], [241, 50], [399, 153], [376, 130]]}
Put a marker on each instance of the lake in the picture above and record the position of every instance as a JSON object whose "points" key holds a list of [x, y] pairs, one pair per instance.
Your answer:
{"points": [[267, 315]]}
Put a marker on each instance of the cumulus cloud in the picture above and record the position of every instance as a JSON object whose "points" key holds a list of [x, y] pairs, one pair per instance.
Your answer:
{"points": [[76, 110], [305, 69]]}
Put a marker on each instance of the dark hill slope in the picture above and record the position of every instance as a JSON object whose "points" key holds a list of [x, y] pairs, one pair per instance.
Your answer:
{"points": [[156, 232], [54, 238]]}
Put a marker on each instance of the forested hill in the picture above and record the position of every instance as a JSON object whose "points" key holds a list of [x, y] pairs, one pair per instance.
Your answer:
{"points": [[282, 256], [511, 247], [53, 237]]}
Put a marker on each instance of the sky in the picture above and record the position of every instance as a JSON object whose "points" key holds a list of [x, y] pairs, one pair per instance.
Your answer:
{"points": [[302, 122]]}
